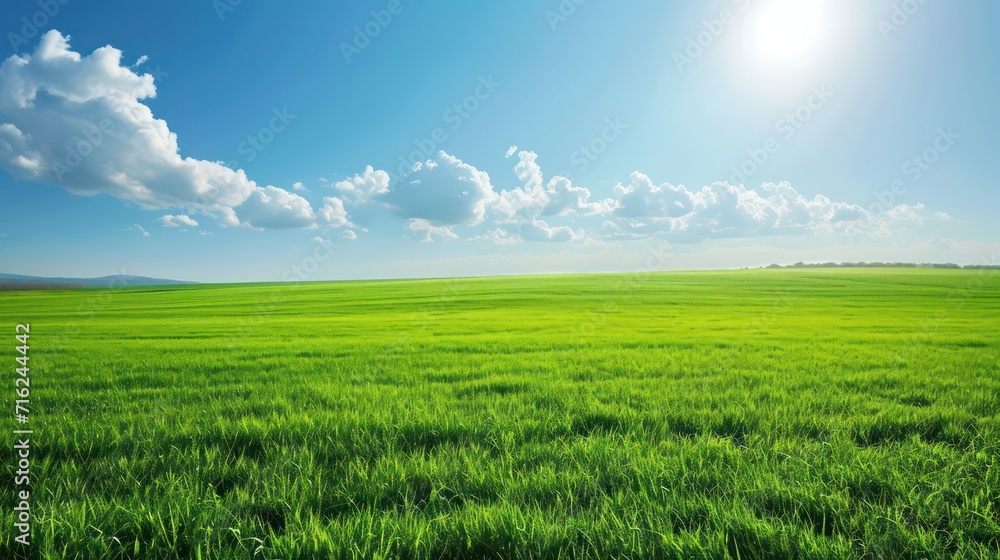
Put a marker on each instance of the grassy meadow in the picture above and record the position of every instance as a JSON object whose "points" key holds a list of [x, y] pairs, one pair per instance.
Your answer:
{"points": [[829, 413]]}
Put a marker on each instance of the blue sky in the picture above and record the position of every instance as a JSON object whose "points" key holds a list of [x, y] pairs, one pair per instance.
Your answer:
{"points": [[721, 134]]}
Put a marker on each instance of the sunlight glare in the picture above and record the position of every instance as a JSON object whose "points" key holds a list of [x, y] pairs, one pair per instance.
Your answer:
{"points": [[786, 34]]}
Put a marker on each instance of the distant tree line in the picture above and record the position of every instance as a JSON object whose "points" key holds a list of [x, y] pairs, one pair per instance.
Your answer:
{"points": [[886, 265]]}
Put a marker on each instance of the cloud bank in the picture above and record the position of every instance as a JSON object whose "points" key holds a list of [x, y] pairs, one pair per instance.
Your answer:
{"points": [[80, 122]]}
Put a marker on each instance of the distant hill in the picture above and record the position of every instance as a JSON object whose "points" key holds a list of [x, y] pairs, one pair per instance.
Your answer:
{"points": [[19, 282]]}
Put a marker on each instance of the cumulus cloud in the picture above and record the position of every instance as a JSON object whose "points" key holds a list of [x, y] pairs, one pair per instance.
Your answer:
{"points": [[520, 203], [349, 234], [333, 213], [426, 230], [907, 213], [538, 230], [537, 198], [722, 210], [641, 198], [80, 122], [442, 192], [500, 236], [270, 207], [364, 186], [513, 233], [566, 198], [528, 170], [642, 208], [177, 221]]}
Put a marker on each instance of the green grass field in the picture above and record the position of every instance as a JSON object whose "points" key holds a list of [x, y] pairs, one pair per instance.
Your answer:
{"points": [[745, 414]]}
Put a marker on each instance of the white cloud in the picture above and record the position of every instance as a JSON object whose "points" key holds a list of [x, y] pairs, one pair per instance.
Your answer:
{"points": [[298, 186], [138, 229], [274, 208], [565, 198], [364, 186], [528, 171], [642, 208], [442, 192], [177, 221], [538, 230], [227, 217], [349, 234], [511, 151], [533, 230], [641, 198], [90, 132], [333, 213], [428, 230], [520, 203], [80, 122], [907, 213], [722, 210], [558, 197], [500, 236]]}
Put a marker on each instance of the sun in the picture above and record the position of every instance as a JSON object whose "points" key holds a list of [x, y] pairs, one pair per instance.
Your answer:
{"points": [[785, 35]]}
